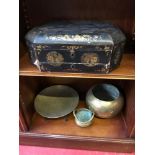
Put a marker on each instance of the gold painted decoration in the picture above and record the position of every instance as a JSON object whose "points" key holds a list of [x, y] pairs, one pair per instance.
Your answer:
{"points": [[72, 49], [76, 38], [40, 48], [90, 59], [55, 59]]}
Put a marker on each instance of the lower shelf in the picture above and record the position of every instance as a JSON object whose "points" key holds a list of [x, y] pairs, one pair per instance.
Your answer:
{"points": [[105, 128], [102, 135], [109, 128]]}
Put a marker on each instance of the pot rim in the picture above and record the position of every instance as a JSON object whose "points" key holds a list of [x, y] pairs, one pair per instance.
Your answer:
{"points": [[91, 92]]}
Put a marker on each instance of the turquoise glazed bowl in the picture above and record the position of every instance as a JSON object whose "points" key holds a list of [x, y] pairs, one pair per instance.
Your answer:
{"points": [[83, 117]]}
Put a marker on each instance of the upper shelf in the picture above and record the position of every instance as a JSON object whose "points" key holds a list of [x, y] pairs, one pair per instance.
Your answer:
{"points": [[126, 70]]}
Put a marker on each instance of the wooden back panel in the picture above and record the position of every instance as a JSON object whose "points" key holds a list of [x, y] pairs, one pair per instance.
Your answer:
{"points": [[118, 12]]}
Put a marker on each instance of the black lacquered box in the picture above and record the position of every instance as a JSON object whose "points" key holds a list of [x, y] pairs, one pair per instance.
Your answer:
{"points": [[81, 46]]}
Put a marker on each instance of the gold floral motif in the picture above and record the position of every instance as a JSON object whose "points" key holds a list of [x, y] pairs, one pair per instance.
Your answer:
{"points": [[39, 48], [72, 37], [90, 59], [73, 48], [55, 59], [106, 48]]}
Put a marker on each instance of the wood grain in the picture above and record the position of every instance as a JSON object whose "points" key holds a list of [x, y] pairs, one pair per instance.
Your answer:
{"points": [[28, 88], [129, 111], [22, 123], [126, 70], [119, 12], [32, 85], [110, 128], [77, 142]]}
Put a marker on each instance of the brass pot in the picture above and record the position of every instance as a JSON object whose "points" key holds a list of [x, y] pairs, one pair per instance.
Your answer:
{"points": [[105, 100]]}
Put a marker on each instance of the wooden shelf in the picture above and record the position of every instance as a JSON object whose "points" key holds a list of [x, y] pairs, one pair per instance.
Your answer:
{"points": [[103, 128], [126, 70], [77, 142]]}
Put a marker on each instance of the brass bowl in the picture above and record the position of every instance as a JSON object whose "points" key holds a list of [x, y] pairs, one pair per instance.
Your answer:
{"points": [[56, 101], [105, 100], [83, 117]]}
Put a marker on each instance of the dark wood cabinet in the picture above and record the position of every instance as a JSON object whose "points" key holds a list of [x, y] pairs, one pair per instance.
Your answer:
{"points": [[115, 134]]}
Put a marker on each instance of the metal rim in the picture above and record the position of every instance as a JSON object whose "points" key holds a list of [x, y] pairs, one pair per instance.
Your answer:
{"points": [[91, 91], [74, 105], [83, 109]]}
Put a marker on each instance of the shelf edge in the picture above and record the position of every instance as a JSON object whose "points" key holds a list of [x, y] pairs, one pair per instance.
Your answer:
{"points": [[77, 142]]}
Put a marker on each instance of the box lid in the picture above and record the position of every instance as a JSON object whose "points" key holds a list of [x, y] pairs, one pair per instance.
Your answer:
{"points": [[76, 32]]}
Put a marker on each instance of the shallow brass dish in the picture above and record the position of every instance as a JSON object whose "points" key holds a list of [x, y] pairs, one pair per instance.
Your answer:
{"points": [[56, 101]]}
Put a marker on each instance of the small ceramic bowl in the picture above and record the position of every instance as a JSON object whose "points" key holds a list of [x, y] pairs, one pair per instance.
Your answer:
{"points": [[83, 117]]}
